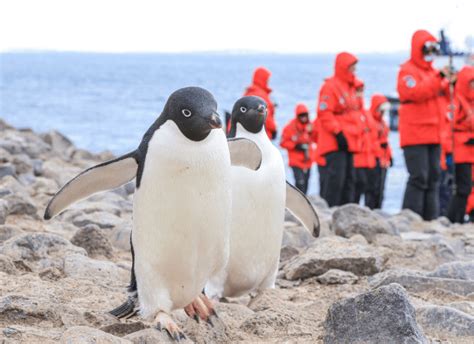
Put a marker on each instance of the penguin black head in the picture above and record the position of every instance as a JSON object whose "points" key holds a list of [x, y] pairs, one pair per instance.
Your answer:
{"points": [[250, 112], [194, 110]]}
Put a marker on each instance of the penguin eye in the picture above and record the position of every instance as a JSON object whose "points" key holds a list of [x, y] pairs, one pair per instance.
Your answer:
{"points": [[186, 112], [243, 109]]}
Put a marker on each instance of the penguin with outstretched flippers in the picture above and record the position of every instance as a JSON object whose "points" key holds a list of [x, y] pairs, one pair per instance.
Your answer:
{"points": [[181, 206]]}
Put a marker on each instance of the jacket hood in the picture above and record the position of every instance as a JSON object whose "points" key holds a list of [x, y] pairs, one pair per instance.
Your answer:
{"points": [[376, 101], [465, 76], [260, 78], [341, 67], [418, 39], [358, 83], [301, 108]]}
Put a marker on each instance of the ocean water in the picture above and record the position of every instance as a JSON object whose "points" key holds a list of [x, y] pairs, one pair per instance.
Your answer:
{"points": [[107, 101]]}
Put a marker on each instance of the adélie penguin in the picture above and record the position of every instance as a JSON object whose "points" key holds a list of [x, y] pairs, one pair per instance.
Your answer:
{"points": [[182, 203], [259, 199]]}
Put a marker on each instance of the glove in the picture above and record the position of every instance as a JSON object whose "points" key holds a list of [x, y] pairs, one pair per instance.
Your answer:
{"points": [[302, 147], [341, 142], [470, 142], [384, 145], [449, 160]]}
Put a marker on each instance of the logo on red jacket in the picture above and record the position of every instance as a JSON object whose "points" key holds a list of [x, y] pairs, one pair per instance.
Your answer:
{"points": [[410, 82]]}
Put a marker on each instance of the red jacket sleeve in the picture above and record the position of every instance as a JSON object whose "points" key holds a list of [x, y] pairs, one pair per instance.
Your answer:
{"points": [[287, 138], [412, 88], [326, 107]]}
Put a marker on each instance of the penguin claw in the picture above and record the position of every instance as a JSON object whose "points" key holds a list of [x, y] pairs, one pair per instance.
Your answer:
{"points": [[164, 322]]}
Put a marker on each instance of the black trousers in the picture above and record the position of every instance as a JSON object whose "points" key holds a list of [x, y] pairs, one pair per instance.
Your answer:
{"points": [[383, 177], [422, 191], [301, 178], [369, 183], [360, 187], [463, 182], [322, 174], [339, 179]]}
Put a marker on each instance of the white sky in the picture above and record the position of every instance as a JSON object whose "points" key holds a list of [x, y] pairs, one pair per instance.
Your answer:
{"points": [[209, 25]]}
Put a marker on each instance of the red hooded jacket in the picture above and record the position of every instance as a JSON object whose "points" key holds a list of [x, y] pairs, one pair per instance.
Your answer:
{"points": [[338, 108], [464, 117], [296, 133], [470, 200], [419, 87], [260, 89], [319, 159], [382, 149]]}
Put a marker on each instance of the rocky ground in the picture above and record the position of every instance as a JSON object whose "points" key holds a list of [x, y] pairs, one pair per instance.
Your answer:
{"points": [[370, 278]]}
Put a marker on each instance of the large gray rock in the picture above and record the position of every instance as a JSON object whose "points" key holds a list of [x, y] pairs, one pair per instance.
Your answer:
{"points": [[405, 220], [17, 309], [89, 335], [120, 236], [9, 231], [7, 170], [102, 219], [82, 267], [297, 236], [151, 336], [384, 315], [57, 141], [463, 306], [335, 276], [418, 282], [20, 204], [3, 211], [318, 202], [93, 241], [335, 253], [441, 320], [6, 265], [41, 250], [352, 219], [457, 270]]}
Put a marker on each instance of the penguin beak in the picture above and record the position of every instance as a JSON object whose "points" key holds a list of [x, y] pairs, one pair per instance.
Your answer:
{"points": [[261, 110], [215, 121]]}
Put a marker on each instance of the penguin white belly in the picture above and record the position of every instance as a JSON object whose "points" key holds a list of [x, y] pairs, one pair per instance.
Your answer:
{"points": [[181, 218], [258, 206]]}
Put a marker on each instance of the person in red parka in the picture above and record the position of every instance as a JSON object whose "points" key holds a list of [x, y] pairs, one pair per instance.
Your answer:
{"points": [[447, 165], [260, 89], [470, 200], [365, 159], [419, 87], [378, 106], [319, 159], [297, 140], [339, 134], [463, 143]]}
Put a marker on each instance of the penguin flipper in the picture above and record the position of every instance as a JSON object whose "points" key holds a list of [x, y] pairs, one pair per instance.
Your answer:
{"points": [[245, 153], [105, 176], [300, 206]]}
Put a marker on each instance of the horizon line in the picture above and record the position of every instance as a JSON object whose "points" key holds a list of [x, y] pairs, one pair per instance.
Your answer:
{"points": [[223, 52]]}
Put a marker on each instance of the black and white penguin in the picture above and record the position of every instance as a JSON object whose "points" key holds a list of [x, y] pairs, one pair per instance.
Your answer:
{"points": [[259, 199], [182, 203]]}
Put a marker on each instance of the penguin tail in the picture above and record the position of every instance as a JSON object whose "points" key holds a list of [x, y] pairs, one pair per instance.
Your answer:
{"points": [[126, 310]]}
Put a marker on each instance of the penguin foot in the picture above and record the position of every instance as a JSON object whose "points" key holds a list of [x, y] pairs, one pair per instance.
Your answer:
{"points": [[202, 309], [164, 322]]}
